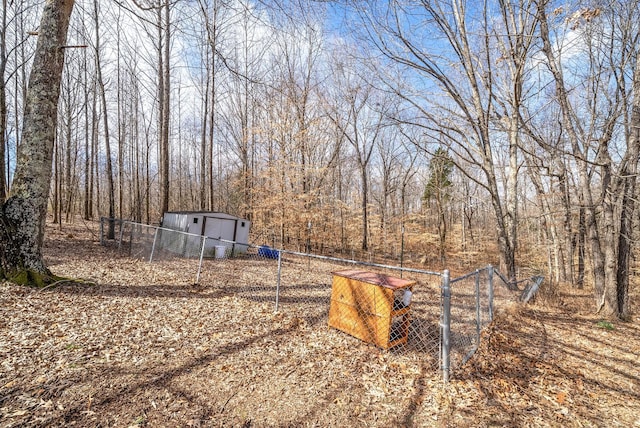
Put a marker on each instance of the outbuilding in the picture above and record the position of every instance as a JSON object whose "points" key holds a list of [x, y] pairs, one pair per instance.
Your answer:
{"points": [[223, 229]]}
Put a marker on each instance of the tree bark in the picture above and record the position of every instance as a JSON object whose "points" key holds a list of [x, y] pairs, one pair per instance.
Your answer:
{"points": [[628, 175], [23, 216], [164, 88], [3, 103], [105, 119], [580, 247], [606, 221]]}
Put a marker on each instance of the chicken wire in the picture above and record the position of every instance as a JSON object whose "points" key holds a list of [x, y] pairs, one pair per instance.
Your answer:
{"points": [[440, 320]]}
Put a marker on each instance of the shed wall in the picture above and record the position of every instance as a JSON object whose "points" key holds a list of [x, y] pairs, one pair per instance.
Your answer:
{"points": [[212, 225]]}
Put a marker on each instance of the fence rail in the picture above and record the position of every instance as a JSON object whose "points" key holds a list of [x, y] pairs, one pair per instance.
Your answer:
{"points": [[412, 311]]}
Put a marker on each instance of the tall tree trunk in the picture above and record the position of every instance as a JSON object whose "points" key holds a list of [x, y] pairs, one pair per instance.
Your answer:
{"points": [[23, 216], [137, 204], [164, 100], [442, 229], [511, 204], [365, 210], [581, 247], [203, 140], [121, 125], [212, 184], [628, 175], [563, 184], [105, 119], [94, 176], [56, 181], [69, 166], [87, 152], [586, 194], [3, 103]]}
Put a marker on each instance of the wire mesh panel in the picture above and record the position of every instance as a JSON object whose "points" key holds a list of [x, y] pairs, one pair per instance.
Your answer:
{"points": [[137, 240], [178, 250], [305, 284], [436, 320], [245, 271], [110, 230], [424, 330], [471, 310], [376, 305], [169, 244]]}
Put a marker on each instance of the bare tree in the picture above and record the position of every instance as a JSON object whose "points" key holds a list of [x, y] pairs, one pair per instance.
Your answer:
{"points": [[159, 31], [627, 186], [3, 101], [459, 105], [361, 124], [101, 86], [164, 99], [69, 126], [23, 214], [17, 20], [591, 124], [215, 14]]}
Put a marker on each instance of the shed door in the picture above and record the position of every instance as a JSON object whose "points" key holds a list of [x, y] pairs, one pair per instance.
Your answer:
{"points": [[195, 225], [215, 227]]}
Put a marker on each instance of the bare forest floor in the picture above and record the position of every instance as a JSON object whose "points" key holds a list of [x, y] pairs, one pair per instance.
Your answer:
{"points": [[140, 345]]}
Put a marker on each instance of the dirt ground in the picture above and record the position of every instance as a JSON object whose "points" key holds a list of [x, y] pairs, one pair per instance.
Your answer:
{"points": [[138, 344]]}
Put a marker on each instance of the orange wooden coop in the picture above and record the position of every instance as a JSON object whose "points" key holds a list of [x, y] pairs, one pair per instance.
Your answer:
{"points": [[371, 306]]}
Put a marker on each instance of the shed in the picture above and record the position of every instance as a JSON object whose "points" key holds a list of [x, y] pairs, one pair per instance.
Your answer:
{"points": [[216, 225]]}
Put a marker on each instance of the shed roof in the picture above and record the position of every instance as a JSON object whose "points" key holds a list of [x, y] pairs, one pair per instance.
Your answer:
{"points": [[201, 212]]}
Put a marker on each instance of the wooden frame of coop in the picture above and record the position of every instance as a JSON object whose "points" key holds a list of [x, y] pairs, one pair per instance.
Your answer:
{"points": [[370, 306]]}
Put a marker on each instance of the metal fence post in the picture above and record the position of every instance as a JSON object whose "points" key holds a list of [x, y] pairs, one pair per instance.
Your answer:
{"points": [[278, 281], [153, 247], [101, 231], [490, 297], [446, 325], [121, 232], [204, 241], [131, 234]]}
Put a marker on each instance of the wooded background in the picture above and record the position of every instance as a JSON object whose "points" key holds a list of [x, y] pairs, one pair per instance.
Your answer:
{"points": [[353, 126]]}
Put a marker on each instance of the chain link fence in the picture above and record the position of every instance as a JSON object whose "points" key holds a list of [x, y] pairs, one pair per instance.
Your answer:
{"points": [[389, 307], [399, 309]]}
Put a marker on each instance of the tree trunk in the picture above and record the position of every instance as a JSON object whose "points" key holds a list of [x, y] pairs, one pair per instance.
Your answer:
{"points": [[87, 214], [121, 126], [3, 103], [563, 184], [607, 290], [584, 182], [203, 142], [164, 101], [55, 200], [442, 229], [365, 211], [105, 118], [511, 203], [580, 247], [23, 216], [628, 175]]}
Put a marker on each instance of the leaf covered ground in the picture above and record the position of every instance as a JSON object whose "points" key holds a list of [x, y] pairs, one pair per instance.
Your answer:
{"points": [[138, 344]]}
